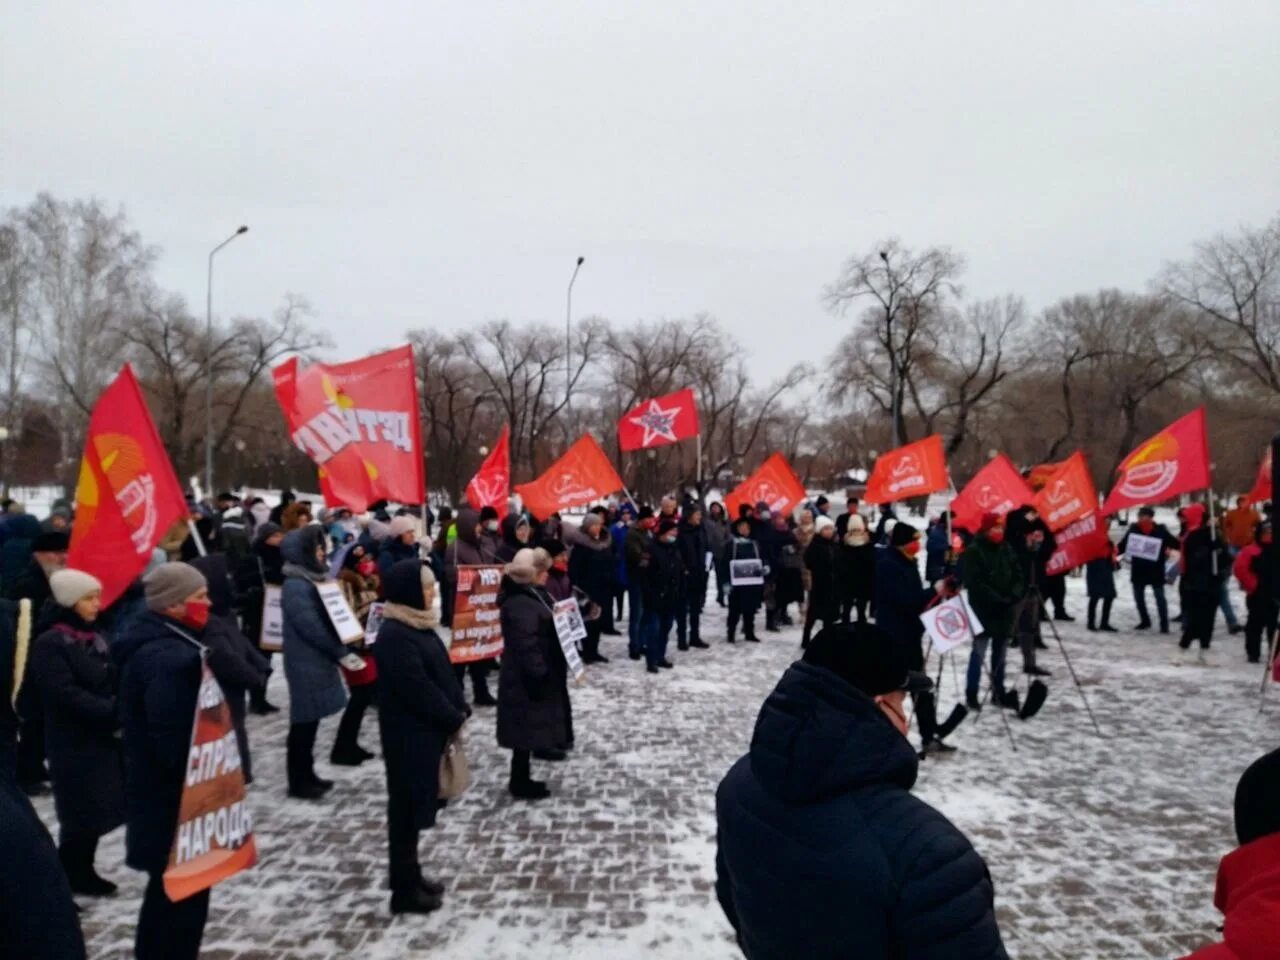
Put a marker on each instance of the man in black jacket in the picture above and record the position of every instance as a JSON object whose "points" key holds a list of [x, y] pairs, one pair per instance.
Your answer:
{"points": [[663, 573], [694, 551], [1149, 573], [822, 851], [1033, 543]]}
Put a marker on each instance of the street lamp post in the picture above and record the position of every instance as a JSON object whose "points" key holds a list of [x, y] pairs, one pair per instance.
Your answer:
{"points": [[208, 369], [568, 338]]}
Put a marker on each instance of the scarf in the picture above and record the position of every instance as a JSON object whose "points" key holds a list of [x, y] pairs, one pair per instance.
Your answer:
{"points": [[298, 570], [410, 617]]}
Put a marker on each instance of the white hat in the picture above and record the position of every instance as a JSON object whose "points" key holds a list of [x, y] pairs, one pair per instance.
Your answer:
{"points": [[401, 525], [823, 523], [71, 586]]}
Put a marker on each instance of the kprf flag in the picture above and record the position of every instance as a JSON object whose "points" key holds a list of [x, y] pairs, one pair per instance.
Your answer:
{"points": [[996, 488], [658, 422], [951, 623], [491, 486], [583, 475], [774, 483], [214, 838], [359, 423], [127, 497], [1262, 485], [1068, 493], [912, 471], [1174, 461], [1039, 475], [1086, 539]]}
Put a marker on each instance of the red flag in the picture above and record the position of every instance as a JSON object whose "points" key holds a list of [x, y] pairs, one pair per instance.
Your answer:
{"points": [[774, 483], [491, 486], [996, 488], [1082, 541], [911, 471], [359, 422], [583, 475], [1174, 461], [1262, 486], [658, 422], [1068, 493], [127, 497], [1039, 475]]}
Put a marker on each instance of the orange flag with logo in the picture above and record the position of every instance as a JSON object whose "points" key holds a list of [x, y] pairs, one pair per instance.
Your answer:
{"points": [[1262, 485], [1174, 461], [912, 471], [774, 483], [127, 497], [583, 475], [491, 486], [1068, 493], [1039, 475], [996, 488]]}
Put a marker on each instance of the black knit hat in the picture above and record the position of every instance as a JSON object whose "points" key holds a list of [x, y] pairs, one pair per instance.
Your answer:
{"points": [[488, 513], [1258, 799], [646, 513], [51, 541], [822, 502], [666, 525], [903, 533], [553, 547], [866, 656]]}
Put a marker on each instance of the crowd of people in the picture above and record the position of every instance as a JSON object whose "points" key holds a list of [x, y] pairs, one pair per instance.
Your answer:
{"points": [[100, 700]]}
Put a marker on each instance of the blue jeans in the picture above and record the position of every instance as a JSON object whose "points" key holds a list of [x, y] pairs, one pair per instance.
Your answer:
{"points": [[657, 631], [999, 647], [1162, 606], [635, 620], [1224, 604]]}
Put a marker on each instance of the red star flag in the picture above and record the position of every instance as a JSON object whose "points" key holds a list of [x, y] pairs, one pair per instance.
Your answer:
{"points": [[127, 497], [774, 483], [491, 486], [996, 488], [583, 475], [660, 421], [1174, 461]]}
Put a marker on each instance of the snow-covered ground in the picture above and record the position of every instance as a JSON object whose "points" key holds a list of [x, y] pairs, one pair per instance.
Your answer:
{"points": [[1099, 847]]}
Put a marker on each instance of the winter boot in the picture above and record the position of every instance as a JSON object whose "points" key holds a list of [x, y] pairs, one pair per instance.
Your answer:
{"points": [[1037, 693], [529, 790], [432, 888], [948, 726], [972, 702], [416, 900], [749, 630], [259, 705], [77, 862], [481, 696], [770, 622]]}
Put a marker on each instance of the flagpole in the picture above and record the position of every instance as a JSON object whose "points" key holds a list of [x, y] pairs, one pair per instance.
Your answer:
{"points": [[1213, 526], [699, 464]]}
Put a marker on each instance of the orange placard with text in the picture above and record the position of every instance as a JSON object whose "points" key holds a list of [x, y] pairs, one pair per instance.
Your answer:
{"points": [[477, 623]]}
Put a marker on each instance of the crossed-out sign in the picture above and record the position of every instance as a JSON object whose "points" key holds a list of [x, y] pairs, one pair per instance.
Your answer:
{"points": [[951, 623]]}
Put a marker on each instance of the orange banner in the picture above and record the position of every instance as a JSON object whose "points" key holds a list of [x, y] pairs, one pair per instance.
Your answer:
{"points": [[912, 471], [774, 483], [1068, 493], [214, 839], [1174, 461], [127, 497], [583, 475], [1039, 475]]}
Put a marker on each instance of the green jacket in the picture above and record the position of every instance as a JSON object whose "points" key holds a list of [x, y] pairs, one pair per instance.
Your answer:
{"points": [[992, 575]]}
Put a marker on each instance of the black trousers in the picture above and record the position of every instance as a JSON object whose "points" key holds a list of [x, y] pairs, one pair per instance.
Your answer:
{"points": [[688, 625], [300, 745], [402, 836], [1106, 611], [359, 700], [591, 644], [76, 852], [849, 606], [736, 613], [1198, 610], [1262, 621], [479, 670], [168, 930], [926, 715], [520, 766], [1055, 591]]}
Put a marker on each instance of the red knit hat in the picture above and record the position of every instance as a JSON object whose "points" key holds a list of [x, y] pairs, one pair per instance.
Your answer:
{"points": [[990, 520]]}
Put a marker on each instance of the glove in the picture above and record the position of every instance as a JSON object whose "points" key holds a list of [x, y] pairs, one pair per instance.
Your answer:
{"points": [[353, 662]]}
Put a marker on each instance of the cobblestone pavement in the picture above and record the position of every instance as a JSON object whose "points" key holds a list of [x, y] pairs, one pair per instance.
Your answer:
{"points": [[1099, 847]]}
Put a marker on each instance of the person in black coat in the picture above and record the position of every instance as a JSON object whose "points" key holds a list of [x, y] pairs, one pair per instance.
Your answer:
{"points": [[1100, 583], [160, 670], [263, 567], [71, 666], [420, 707], [694, 550], [1033, 543], [663, 585], [532, 697], [592, 568], [1205, 563], [1144, 574], [744, 599], [824, 592], [38, 917], [516, 534], [856, 570], [821, 850], [241, 670]]}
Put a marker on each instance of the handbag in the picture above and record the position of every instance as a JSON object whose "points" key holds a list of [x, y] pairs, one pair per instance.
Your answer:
{"points": [[455, 773]]}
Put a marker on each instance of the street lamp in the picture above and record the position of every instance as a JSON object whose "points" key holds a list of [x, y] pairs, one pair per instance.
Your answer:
{"points": [[208, 370], [568, 337]]}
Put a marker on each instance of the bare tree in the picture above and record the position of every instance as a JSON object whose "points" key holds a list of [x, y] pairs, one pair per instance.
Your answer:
{"points": [[17, 293]]}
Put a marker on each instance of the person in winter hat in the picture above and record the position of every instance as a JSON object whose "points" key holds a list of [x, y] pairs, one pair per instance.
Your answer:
{"points": [[1149, 574], [1100, 581], [664, 596], [853, 864], [1252, 569], [744, 599], [635, 555], [994, 579], [591, 569], [1203, 564], [401, 544], [855, 569], [160, 671], [71, 667], [716, 524], [1033, 544], [473, 546], [1248, 888], [694, 548], [821, 564]]}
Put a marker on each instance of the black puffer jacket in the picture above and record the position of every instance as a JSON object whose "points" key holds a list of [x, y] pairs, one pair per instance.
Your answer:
{"points": [[663, 579], [823, 852], [533, 702]]}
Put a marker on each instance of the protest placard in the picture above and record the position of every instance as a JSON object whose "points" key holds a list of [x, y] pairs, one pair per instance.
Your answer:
{"points": [[372, 623], [746, 573], [272, 635], [214, 838], [570, 630], [340, 613], [1141, 547], [951, 623], [477, 629]]}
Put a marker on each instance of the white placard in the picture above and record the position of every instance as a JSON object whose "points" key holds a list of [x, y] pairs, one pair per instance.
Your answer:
{"points": [[372, 623], [951, 623], [272, 635], [1142, 547], [570, 630], [340, 614], [746, 573]]}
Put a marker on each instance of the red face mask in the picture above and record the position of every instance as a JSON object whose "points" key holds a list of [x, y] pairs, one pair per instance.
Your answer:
{"points": [[996, 534], [561, 563], [195, 613], [365, 567], [912, 549], [1145, 525]]}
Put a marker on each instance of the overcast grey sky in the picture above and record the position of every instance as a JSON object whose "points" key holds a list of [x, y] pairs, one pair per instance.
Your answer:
{"points": [[414, 164]]}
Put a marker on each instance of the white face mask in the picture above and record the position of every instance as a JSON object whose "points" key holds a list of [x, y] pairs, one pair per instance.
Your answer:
{"points": [[492, 526]]}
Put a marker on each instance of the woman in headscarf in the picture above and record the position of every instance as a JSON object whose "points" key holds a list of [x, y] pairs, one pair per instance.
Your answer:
{"points": [[421, 707], [77, 681]]}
